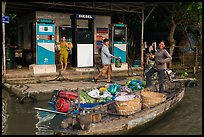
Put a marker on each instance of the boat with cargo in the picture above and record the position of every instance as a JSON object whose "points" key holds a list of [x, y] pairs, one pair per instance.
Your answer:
{"points": [[122, 111]]}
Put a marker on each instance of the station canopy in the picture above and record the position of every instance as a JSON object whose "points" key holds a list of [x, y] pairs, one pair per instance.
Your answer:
{"points": [[107, 8], [98, 8]]}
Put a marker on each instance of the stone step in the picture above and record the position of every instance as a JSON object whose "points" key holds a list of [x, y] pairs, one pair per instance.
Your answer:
{"points": [[59, 78], [69, 75], [64, 73]]}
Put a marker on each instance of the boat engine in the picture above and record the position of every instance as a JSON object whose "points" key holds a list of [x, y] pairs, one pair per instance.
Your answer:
{"points": [[63, 100]]}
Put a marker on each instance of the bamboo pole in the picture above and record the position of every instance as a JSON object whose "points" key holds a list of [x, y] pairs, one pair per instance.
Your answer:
{"points": [[78, 108], [196, 61], [142, 35], [183, 59], [196, 55], [3, 43], [51, 111]]}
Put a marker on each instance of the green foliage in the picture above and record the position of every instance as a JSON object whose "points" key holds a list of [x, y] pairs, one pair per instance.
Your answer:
{"points": [[194, 12], [186, 12], [184, 74], [160, 20]]}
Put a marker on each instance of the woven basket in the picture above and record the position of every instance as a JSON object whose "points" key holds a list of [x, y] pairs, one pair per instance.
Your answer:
{"points": [[150, 99], [128, 107]]}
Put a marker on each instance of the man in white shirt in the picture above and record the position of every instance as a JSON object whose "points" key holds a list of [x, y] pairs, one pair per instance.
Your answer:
{"points": [[106, 61]]}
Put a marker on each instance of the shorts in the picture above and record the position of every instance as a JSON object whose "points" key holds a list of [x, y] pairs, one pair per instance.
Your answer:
{"points": [[107, 69]]}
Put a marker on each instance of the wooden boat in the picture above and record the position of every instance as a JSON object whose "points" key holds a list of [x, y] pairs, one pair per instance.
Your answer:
{"points": [[111, 123]]}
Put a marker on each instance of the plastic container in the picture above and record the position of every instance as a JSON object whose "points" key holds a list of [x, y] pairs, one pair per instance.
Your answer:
{"points": [[137, 63], [136, 66], [118, 63]]}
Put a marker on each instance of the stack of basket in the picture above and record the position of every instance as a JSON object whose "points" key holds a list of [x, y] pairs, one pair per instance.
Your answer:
{"points": [[150, 99], [128, 107]]}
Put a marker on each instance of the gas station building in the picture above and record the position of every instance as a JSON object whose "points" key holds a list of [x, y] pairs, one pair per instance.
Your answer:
{"points": [[85, 24], [62, 23], [62, 26]]}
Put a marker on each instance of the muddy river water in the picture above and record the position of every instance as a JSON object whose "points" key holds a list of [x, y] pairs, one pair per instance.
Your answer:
{"points": [[185, 119]]}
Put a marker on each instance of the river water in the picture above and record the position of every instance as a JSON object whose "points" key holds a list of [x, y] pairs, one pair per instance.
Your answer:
{"points": [[185, 119]]}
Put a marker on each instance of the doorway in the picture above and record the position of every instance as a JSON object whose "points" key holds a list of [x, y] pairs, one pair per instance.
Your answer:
{"points": [[65, 31]]}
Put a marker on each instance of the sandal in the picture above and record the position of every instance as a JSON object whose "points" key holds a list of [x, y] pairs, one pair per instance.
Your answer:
{"points": [[109, 81], [95, 80]]}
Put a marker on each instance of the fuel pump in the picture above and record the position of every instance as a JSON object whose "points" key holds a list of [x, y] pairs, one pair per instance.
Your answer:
{"points": [[45, 47], [45, 41], [118, 40], [83, 41]]}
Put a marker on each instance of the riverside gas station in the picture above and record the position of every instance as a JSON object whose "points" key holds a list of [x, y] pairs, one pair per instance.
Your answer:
{"points": [[42, 24]]}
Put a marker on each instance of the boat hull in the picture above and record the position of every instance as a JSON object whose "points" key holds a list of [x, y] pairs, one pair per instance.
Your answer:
{"points": [[121, 124]]}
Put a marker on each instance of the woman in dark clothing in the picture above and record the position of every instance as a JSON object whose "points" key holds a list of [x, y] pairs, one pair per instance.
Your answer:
{"points": [[162, 57]]}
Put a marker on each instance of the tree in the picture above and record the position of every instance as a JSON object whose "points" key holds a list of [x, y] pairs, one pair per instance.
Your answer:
{"points": [[184, 13]]}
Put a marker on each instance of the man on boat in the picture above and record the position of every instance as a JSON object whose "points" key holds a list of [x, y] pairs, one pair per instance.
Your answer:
{"points": [[106, 61], [162, 57]]}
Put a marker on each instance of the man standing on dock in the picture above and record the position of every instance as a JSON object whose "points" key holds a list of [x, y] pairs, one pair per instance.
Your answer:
{"points": [[106, 61], [162, 57]]}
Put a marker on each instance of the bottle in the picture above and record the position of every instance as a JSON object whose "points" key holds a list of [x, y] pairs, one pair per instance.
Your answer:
{"points": [[118, 63]]}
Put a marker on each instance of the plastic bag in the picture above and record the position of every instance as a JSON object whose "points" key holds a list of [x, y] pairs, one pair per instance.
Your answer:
{"points": [[114, 89], [94, 93], [135, 85]]}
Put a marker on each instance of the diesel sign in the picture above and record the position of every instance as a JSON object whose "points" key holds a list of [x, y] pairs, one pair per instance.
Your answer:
{"points": [[82, 16]]}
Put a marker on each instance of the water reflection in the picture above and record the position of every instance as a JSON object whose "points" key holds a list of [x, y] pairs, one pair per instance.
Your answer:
{"points": [[20, 119], [44, 122], [185, 119], [47, 122]]}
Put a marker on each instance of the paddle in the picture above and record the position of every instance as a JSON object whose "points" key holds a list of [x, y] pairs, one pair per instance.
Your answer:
{"points": [[56, 112]]}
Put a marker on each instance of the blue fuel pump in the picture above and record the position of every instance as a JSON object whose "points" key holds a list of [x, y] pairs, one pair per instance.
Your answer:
{"points": [[45, 35], [118, 40]]}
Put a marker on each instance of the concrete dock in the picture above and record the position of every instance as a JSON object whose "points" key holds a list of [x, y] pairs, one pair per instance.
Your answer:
{"points": [[25, 86]]}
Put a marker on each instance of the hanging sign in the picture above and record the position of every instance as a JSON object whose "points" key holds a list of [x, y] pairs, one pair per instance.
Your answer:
{"points": [[83, 16], [5, 19]]}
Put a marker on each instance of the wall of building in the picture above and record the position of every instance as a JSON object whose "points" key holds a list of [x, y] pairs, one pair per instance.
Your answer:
{"points": [[27, 42], [62, 19], [100, 22], [24, 31]]}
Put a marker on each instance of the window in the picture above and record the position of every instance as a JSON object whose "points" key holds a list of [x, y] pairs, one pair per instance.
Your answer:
{"points": [[65, 31]]}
